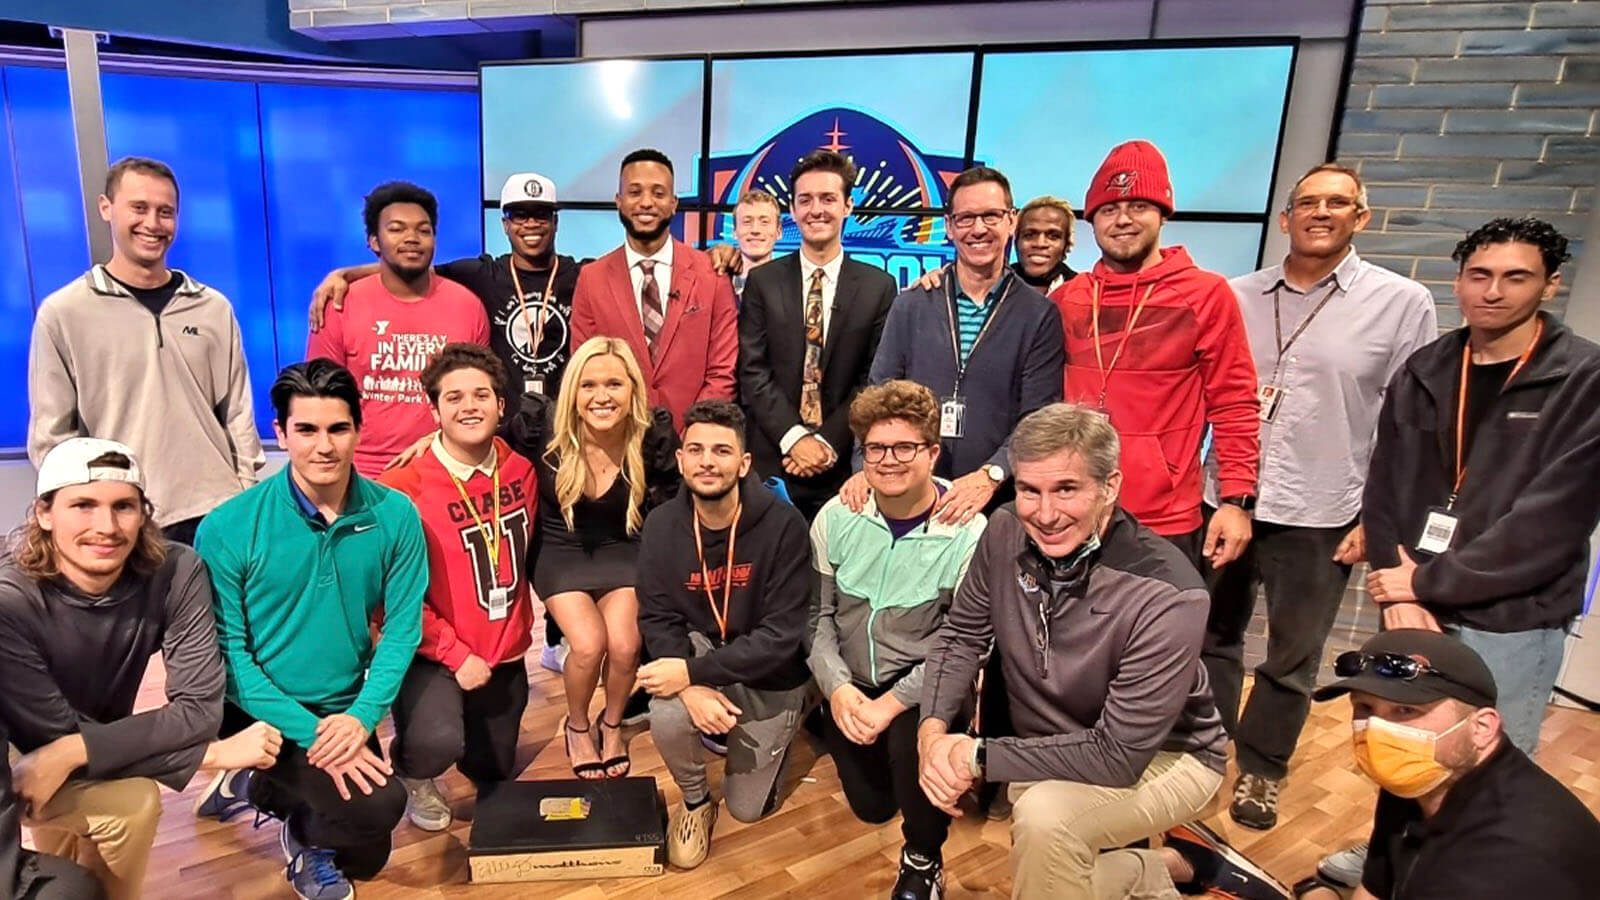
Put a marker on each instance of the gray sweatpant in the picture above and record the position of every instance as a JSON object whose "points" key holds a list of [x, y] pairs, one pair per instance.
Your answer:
{"points": [[757, 745]]}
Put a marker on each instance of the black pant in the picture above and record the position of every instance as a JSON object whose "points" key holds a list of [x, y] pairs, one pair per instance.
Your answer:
{"points": [[1192, 543], [437, 724], [182, 532], [1304, 587], [880, 779], [359, 831], [41, 876]]}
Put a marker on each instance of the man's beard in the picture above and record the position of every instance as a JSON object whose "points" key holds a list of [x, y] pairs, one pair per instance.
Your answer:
{"points": [[1139, 253], [407, 273], [644, 236], [713, 495]]}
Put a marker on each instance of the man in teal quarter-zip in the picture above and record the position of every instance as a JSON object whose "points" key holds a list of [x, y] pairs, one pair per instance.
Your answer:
{"points": [[302, 565], [886, 575]]}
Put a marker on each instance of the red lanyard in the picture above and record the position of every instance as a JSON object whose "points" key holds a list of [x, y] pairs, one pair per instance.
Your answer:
{"points": [[1127, 335], [727, 573], [534, 337], [1461, 403]]}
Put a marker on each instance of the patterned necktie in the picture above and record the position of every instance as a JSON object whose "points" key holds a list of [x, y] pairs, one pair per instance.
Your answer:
{"points": [[650, 309], [811, 390]]}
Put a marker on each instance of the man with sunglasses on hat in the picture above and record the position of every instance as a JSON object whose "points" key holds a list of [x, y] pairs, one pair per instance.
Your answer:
{"points": [[1463, 812]]}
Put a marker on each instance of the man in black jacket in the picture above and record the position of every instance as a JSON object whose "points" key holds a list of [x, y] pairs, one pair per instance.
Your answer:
{"points": [[1483, 490], [808, 328], [724, 594]]}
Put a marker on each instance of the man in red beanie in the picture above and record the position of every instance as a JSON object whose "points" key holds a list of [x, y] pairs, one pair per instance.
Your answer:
{"points": [[1158, 343]]}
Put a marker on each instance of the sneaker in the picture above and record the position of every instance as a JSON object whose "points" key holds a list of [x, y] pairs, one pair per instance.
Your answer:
{"points": [[637, 710], [311, 871], [226, 796], [689, 834], [1255, 802], [716, 743], [1344, 867], [425, 806], [555, 658], [1220, 870], [920, 878], [999, 808]]}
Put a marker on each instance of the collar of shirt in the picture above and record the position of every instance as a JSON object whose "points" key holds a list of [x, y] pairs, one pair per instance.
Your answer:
{"points": [[830, 269], [994, 289], [458, 469], [662, 256], [307, 508], [1344, 274]]}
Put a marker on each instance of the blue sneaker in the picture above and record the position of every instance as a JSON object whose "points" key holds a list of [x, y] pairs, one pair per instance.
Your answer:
{"points": [[312, 872], [226, 796]]}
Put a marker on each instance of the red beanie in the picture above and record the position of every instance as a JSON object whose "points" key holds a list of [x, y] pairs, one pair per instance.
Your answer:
{"points": [[1135, 170]]}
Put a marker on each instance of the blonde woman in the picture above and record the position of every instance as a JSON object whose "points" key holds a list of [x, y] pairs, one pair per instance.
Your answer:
{"points": [[603, 460]]}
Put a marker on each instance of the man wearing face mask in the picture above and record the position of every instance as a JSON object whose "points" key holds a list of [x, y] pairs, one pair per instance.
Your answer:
{"points": [[1461, 808]]}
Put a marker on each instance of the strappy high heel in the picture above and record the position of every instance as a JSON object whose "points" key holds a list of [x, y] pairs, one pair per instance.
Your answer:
{"points": [[592, 771]]}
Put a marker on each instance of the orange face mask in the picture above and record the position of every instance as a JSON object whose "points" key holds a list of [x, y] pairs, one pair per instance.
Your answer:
{"points": [[1398, 757]]}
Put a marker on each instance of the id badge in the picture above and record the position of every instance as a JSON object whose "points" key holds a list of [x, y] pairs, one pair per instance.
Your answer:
{"points": [[533, 386], [952, 418], [1269, 396], [1438, 530], [499, 603]]}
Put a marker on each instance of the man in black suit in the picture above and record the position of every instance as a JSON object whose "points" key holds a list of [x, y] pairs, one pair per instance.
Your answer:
{"points": [[808, 328]]}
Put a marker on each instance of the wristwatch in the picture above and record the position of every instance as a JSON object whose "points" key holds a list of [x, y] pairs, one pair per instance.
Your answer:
{"points": [[995, 473], [980, 758], [1246, 502]]}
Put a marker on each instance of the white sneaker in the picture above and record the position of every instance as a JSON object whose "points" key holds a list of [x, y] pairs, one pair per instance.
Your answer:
{"points": [[555, 658], [425, 806], [1344, 867]]}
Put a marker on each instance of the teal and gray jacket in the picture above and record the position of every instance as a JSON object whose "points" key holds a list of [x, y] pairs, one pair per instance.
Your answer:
{"points": [[877, 602]]}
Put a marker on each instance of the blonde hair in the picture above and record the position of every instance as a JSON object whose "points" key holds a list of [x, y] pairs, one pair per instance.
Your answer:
{"points": [[564, 453], [34, 551], [1049, 202]]}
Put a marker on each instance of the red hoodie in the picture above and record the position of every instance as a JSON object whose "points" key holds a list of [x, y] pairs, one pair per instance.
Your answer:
{"points": [[455, 615], [1188, 363]]}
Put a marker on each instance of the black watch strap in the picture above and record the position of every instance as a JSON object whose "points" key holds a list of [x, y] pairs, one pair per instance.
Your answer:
{"points": [[1311, 882], [1246, 502]]}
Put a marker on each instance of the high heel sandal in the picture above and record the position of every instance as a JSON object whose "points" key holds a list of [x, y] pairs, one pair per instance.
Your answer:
{"points": [[593, 771], [622, 763]]}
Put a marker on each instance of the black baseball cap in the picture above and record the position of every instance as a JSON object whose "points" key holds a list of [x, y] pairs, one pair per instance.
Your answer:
{"points": [[1451, 670]]}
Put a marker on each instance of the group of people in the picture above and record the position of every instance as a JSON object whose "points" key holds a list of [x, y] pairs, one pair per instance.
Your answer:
{"points": [[965, 531]]}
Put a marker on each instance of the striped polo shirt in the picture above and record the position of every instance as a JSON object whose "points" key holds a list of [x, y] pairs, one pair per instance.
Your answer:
{"points": [[971, 316]]}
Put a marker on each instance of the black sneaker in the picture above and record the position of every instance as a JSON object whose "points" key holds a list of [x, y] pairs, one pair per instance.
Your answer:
{"points": [[920, 878], [1220, 870], [1255, 802], [637, 709]]}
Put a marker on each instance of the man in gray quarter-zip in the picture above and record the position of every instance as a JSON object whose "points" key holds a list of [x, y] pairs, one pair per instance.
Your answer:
{"points": [[1098, 622], [137, 352]]}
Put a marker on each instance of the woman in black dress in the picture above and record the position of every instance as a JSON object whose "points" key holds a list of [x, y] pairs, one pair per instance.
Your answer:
{"points": [[603, 457]]}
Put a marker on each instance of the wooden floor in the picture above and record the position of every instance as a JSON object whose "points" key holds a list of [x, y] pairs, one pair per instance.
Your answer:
{"points": [[812, 847]]}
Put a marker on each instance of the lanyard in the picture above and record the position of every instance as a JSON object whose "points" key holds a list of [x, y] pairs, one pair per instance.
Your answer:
{"points": [[1277, 323], [1461, 403], [955, 328], [492, 535], [727, 573], [1127, 335], [534, 337]]}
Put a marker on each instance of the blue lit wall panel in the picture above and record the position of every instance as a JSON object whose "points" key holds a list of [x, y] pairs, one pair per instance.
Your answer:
{"points": [[326, 148], [16, 296], [46, 158]]}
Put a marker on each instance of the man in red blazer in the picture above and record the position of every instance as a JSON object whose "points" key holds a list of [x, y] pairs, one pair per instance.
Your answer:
{"points": [[660, 295]]}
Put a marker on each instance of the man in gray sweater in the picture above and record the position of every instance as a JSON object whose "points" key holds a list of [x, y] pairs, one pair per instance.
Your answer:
{"points": [[89, 591], [143, 354], [1098, 623]]}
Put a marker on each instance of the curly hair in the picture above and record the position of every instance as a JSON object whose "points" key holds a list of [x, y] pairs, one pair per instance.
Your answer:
{"points": [[899, 399], [34, 550], [459, 355], [392, 192], [1525, 230]]}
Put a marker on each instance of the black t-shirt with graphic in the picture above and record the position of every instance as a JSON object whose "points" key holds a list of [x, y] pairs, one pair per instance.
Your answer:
{"points": [[530, 364]]}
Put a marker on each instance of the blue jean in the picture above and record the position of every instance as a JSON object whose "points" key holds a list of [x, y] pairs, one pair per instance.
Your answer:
{"points": [[1525, 665]]}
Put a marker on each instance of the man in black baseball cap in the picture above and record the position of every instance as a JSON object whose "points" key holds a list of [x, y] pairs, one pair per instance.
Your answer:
{"points": [[1461, 808]]}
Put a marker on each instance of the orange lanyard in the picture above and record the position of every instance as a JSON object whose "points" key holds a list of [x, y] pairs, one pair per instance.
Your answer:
{"points": [[492, 535], [534, 337], [1127, 335], [1461, 403], [727, 573]]}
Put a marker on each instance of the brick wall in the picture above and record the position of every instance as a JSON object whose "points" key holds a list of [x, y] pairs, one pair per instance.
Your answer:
{"points": [[1459, 112]]}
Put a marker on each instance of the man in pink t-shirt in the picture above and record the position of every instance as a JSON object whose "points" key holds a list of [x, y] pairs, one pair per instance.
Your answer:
{"points": [[394, 322]]}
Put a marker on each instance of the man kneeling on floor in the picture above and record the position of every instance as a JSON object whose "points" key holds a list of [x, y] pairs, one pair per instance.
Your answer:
{"points": [[1462, 813], [89, 591], [1098, 621], [723, 598], [301, 564], [885, 577]]}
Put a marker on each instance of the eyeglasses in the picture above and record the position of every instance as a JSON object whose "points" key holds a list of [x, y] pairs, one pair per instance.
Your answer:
{"points": [[989, 217], [1335, 204], [521, 215], [905, 451], [1386, 665]]}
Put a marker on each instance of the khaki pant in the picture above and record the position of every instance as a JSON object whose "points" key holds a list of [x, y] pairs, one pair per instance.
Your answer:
{"points": [[1060, 828], [108, 827]]}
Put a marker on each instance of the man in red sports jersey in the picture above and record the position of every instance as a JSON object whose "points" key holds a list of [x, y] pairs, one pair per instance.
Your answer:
{"points": [[462, 700]]}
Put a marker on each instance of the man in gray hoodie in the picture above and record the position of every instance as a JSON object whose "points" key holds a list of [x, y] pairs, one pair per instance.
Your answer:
{"points": [[143, 354]]}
